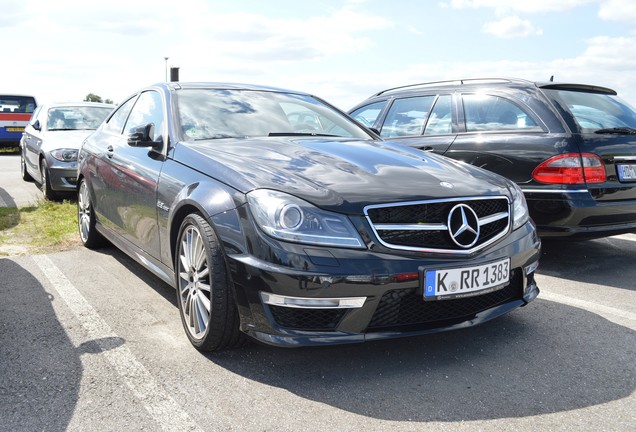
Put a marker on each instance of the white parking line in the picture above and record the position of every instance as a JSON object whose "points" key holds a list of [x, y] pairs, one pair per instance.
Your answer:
{"points": [[607, 312], [164, 410], [629, 237]]}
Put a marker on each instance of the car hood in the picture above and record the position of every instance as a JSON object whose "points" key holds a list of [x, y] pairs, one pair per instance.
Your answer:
{"points": [[70, 139], [337, 174]]}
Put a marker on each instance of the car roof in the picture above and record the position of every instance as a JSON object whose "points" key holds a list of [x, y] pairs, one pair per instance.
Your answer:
{"points": [[226, 86], [493, 83]]}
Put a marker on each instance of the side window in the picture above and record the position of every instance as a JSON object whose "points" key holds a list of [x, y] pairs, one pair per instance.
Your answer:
{"points": [[148, 109], [494, 113], [368, 114], [118, 119], [440, 120], [406, 116], [35, 116]]}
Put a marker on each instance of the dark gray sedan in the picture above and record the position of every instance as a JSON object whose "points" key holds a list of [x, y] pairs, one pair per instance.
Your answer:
{"points": [[277, 216]]}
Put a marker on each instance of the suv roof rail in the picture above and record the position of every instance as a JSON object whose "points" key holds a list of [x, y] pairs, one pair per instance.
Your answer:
{"points": [[452, 82]]}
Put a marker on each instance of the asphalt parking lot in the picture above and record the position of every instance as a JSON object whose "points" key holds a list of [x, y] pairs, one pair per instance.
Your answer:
{"points": [[91, 341]]}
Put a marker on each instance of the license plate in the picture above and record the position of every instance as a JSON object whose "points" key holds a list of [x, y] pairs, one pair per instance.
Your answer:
{"points": [[466, 281], [15, 129], [626, 172]]}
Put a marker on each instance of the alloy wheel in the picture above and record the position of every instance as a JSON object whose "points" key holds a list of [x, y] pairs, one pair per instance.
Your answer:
{"points": [[84, 212], [194, 283]]}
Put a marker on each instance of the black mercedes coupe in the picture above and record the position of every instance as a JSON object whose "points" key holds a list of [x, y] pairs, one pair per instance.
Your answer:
{"points": [[275, 215]]}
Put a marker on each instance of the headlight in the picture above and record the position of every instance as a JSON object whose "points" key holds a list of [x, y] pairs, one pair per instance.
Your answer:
{"points": [[289, 218], [65, 155], [519, 207]]}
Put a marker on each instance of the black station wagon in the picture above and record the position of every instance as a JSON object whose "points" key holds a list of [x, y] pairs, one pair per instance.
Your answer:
{"points": [[275, 215], [570, 147]]}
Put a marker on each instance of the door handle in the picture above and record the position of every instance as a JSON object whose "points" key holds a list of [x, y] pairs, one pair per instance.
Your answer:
{"points": [[109, 151], [427, 148]]}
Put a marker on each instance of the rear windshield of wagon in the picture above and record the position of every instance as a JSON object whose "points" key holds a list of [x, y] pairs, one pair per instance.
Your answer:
{"points": [[594, 111]]}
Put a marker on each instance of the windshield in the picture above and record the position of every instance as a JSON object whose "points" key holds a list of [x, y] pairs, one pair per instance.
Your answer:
{"points": [[216, 113], [77, 117], [595, 111]]}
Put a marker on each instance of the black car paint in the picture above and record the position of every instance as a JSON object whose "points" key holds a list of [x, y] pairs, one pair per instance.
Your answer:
{"points": [[142, 194], [560, 211]]}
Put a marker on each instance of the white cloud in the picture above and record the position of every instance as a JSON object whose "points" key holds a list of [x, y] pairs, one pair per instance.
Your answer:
{"points": [[511, 27], [618, 10], [503, 7], [606, 61]]}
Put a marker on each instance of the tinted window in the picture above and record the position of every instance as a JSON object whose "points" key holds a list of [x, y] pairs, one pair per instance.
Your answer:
{"points": [[440, 120], [118, 119], [148, 110], [17, 104], [368, 114], [596, 111], [493, 113], [407, 116]]}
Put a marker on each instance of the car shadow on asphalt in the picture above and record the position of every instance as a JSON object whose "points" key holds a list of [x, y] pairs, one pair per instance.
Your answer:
{"points": [[37, 392], [544, 358], [607, 261], [6, 200]]}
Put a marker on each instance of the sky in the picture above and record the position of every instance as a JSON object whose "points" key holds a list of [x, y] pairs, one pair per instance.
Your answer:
{"points": [[343, 51]]}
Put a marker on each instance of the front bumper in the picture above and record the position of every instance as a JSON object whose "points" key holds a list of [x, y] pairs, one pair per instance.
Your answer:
{"points": [[62, 175], [360, 295]]}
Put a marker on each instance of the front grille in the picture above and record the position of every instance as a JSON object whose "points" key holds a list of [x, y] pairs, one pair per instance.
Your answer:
{"points": [[406, 307], [425, 225], [307, 319]]}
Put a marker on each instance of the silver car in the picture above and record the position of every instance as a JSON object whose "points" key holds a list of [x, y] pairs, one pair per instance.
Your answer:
{"points": [[51, 140]]}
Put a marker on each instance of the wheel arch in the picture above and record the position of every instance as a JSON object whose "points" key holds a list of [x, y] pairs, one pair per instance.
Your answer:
{"points": [[175, 224], [217, 204]]}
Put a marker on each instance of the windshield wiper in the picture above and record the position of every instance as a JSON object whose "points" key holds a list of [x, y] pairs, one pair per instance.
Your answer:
{"points": [[276, 134], [216, 136], [617, 131]]}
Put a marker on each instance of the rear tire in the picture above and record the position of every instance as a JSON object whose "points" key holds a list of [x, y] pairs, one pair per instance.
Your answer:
{"points": [[204, 293], [86, 219]]}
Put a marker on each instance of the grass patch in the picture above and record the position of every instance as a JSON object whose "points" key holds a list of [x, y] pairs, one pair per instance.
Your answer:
{"points": [[47, 227]]}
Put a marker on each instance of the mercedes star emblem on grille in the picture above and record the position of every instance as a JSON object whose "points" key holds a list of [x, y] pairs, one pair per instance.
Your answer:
{"points": [[463, 225]]}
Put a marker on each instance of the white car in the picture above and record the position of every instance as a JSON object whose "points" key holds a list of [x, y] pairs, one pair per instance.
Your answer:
{"points": [[51, 140]]}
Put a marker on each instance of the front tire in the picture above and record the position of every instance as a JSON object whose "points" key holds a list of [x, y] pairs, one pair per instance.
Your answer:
{"points": [[204, 294], [86, 219], [45, 182], [23, 169]]}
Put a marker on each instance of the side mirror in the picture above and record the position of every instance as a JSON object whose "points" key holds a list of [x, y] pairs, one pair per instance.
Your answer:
{"points": [[37, 126], [141, 136]]}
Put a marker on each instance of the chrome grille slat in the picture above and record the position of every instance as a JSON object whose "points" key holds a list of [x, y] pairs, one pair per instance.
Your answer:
{"points": [[423, 225]]}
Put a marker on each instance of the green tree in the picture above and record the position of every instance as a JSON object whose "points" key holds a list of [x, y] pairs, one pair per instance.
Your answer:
{"points": [[91, 97], [109, 101]]}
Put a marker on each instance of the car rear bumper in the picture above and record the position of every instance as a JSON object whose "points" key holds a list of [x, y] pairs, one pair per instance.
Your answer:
{"points": [[577, 215], [367, 298]]}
